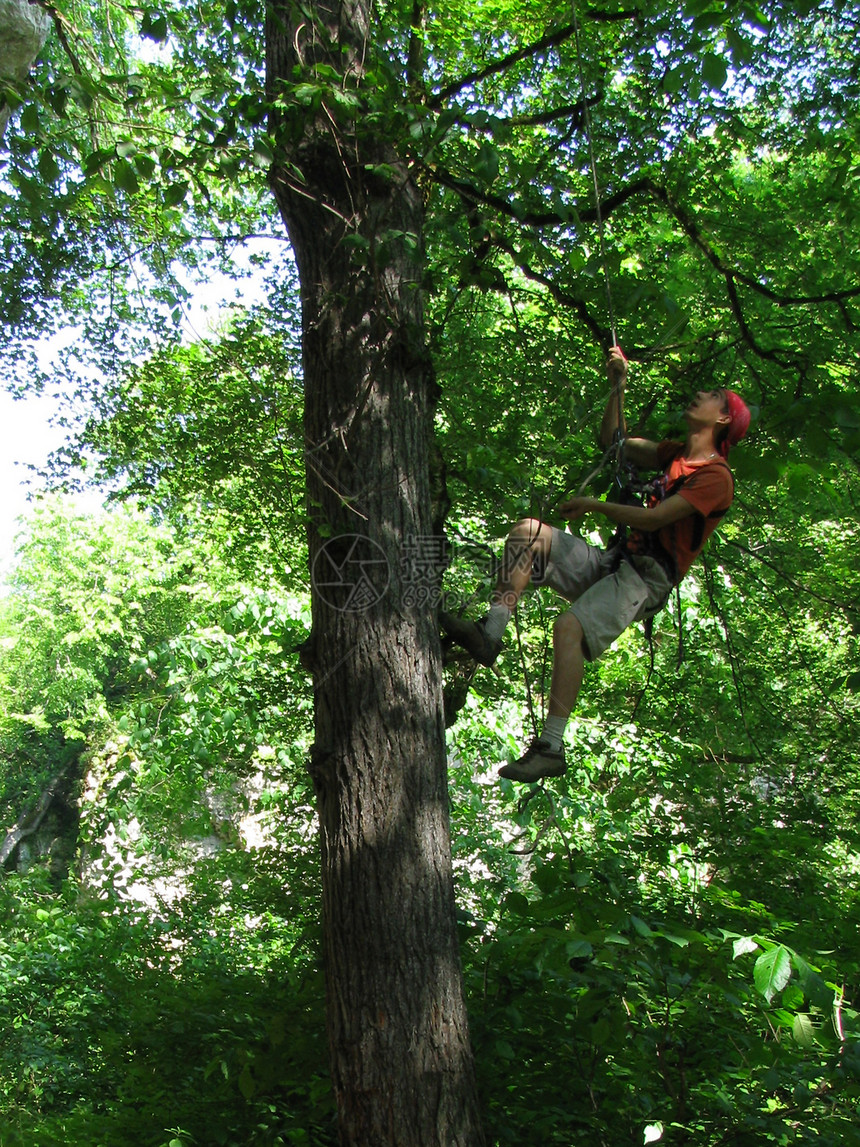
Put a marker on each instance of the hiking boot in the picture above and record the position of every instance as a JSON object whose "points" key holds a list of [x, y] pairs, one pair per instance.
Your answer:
{"points": [[469, 635], [539, 760]]}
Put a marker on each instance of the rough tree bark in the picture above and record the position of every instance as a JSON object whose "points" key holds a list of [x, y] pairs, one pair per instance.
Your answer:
{"points": [[400, 1054]]}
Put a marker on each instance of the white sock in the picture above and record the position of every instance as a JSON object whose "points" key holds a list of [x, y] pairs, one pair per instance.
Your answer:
{"points": [[553, 732], [496, 622]]}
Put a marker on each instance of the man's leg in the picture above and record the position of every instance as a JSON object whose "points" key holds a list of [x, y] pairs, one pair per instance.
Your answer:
{"points": [[575, 569], [545, 756], [568, 664], [603, 611], [528, 544]]}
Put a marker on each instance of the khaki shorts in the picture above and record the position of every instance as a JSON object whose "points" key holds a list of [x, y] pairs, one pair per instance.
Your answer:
{"points": [[604, 600]]}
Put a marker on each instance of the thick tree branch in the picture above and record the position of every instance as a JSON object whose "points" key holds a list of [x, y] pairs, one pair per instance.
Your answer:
{"points": [[573, 112], [850, 325], [735, 660], [60, 25], [571, 302], [473, 194], [796, 586], [733, 276], [837, 297], [693, 232], [549, 40], [415, 59], [564, 298], [743, 326], [29, 822], [788, 618], [219, 240], [688, 224]]}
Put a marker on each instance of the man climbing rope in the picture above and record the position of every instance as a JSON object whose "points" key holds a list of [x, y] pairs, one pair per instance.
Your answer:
{"points": [[611, 588]]}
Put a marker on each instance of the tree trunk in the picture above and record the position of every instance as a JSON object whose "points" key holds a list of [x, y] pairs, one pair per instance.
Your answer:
{"points": [[401, 1060]]}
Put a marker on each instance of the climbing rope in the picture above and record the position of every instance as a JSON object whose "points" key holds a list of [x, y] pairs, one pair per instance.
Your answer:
{"points": [[614, 455], [586, 119]]}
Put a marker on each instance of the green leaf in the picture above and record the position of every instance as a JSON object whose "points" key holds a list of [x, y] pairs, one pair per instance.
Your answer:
{"points": [[246, 1083], [96, 160], [743, 945], [772, 971], [673, 938], [175, 193], [153, 26], [714, 71], [801, 1094], [712, 18], [125, 177], [617, 938], [546, 877], [145, 165], [517, 903], [600, 1031], [674, 80], [487, 164], [308, 94], [578, 949], [30, 120], [815, 989], [263, 152], [48, 167], [802, 1030]]}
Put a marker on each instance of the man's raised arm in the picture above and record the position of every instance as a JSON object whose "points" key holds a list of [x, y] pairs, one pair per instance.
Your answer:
{"points": [[640, 451]]}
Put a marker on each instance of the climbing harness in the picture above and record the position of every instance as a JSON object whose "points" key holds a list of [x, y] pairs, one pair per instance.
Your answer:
{"points": [[626, 545], [645, 544]]}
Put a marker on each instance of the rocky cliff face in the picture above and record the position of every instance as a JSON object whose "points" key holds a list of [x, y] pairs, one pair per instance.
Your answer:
{"points": [[45, 833], [24, 29]]}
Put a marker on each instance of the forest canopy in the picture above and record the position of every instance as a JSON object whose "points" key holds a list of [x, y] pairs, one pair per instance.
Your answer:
{"points": [[201, 876]]}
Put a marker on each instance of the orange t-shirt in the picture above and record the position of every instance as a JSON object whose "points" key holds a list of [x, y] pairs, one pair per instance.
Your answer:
{"points": [[708, 486]]}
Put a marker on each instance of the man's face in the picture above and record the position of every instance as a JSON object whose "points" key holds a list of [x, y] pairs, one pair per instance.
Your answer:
{"points": [[708, 407]]}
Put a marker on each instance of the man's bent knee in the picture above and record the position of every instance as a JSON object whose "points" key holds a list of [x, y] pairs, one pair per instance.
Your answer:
{"points": [[526, 554], [530, 538], [567, 629]]}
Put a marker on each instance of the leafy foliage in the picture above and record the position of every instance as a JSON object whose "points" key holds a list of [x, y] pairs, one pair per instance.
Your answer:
{"points": [[664, 941], [660, 947], [185, 673]]}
